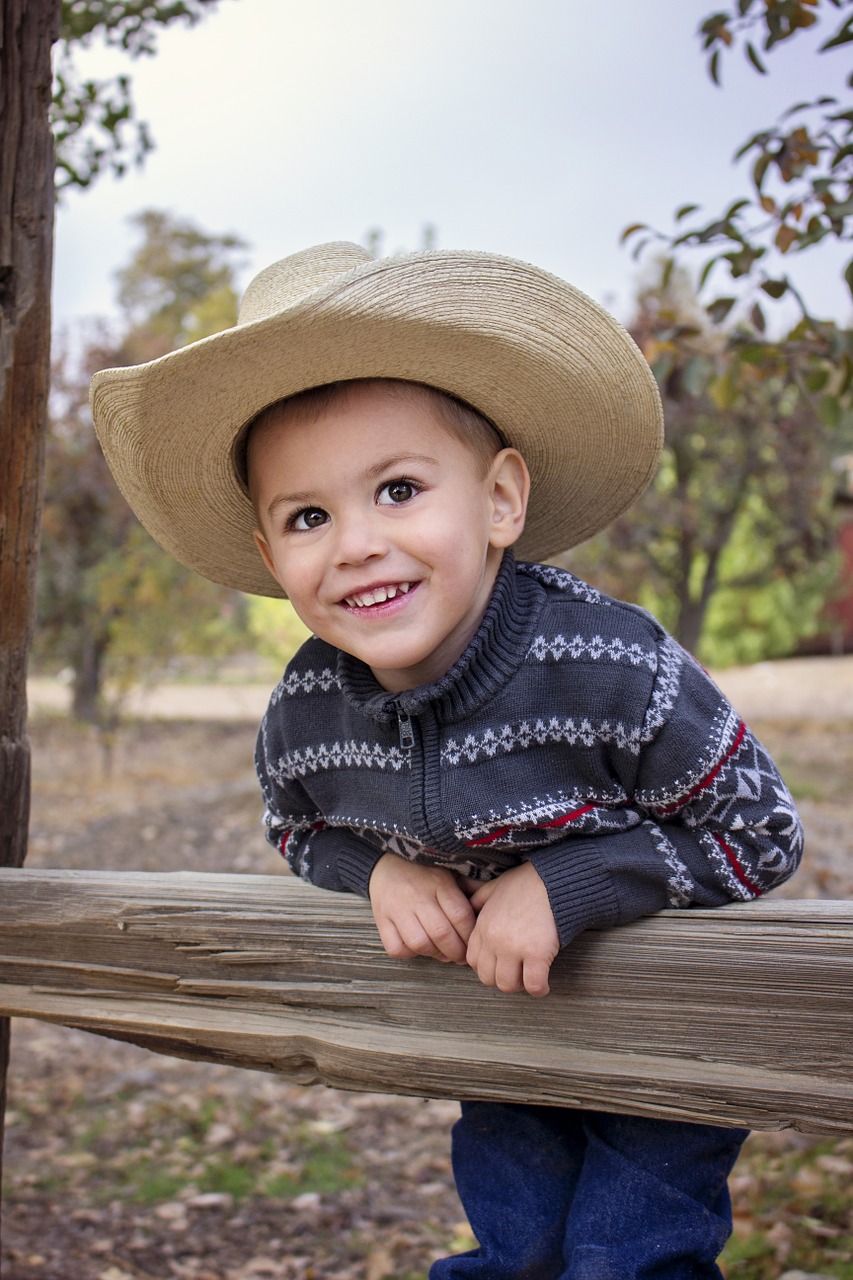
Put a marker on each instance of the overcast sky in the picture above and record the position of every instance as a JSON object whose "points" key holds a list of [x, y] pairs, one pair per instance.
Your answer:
{"points": [[535, 128]]}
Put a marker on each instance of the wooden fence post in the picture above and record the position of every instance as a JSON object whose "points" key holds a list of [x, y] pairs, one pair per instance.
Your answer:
{"points": [[28, 29], [742, 1015]]}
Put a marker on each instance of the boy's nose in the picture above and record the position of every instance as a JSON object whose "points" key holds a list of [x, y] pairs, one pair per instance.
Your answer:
{"points": [[358, 539]]}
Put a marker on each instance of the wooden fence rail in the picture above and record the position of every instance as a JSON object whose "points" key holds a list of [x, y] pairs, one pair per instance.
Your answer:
{"points": [[742, 1015]]}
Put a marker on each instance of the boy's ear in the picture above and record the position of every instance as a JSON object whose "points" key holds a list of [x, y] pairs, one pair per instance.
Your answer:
{"points": [[266, 555], [510, 481]]}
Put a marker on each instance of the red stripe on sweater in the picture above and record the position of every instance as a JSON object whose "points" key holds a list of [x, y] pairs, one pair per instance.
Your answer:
{"points": [[706, 781], [282, 848], [735, 865], [542, 826]]}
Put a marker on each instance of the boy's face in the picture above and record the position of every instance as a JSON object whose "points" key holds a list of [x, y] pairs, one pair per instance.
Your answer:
{"points": [[383, 530]]}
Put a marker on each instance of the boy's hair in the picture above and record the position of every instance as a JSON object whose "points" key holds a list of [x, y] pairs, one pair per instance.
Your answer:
{"points": [[462, 420]]}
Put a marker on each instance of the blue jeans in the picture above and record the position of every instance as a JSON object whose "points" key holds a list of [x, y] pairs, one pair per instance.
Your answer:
{"points": [[553, 1194]]}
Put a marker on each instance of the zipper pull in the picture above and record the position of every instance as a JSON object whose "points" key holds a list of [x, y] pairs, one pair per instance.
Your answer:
{"points": [[407, 731]]}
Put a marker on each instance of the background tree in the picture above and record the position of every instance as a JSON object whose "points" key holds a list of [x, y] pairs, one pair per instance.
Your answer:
{"points": [[106, 590], [28, 30], [801, 176], [732, 545], [94, 121]]}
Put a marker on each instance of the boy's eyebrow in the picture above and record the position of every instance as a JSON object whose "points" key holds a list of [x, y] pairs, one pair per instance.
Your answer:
{"points": [[291, 500], [397, 460]]}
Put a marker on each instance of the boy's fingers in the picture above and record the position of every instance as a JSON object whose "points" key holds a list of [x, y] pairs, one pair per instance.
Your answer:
{"points": [[447, 941], [509, 975], [481, 896], [459, 912], [422, 934], [536, 977], [391, 940]]}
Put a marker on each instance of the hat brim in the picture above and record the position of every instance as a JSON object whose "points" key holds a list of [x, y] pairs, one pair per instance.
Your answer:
{"points": [[557, 374]]}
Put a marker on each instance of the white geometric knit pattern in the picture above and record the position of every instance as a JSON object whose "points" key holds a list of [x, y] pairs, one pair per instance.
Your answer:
{"points": [[305, 682], [338, 755], [574, 587], [679, 882], [665, 689], [594, 650], [519, 737], [747, 777]]}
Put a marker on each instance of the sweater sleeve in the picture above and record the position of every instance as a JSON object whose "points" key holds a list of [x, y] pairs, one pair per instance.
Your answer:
{"points": [[330, 857], [713, 820]]}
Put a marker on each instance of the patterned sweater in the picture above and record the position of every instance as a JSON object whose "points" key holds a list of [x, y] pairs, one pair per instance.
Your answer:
{"points": [[573, 733]]}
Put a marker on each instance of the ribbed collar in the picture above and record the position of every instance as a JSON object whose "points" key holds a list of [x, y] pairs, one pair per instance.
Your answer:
{"points": [[491, 659]]}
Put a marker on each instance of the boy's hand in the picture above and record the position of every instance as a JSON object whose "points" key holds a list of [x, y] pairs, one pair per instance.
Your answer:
{"points": [[515, 938], [419, 910]]}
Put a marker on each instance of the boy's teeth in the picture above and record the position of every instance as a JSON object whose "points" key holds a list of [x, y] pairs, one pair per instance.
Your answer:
{"points": [[378, 595]]}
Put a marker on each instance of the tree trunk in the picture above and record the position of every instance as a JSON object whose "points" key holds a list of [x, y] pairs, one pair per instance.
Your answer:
{"points": [[28, 28], [89, 678]]}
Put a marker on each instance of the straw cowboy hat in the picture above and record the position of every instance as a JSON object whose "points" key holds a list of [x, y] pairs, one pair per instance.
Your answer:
{"points": [[557, 375]]}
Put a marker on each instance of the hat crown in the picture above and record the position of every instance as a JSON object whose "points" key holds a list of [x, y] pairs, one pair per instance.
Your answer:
{"points": [[292, 279]]}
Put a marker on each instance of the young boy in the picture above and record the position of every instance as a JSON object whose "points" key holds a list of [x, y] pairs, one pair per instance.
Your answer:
{"points": [[493, 753]]}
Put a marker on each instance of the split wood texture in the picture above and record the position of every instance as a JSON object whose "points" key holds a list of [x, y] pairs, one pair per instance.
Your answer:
{"points": [[743, 1015]]}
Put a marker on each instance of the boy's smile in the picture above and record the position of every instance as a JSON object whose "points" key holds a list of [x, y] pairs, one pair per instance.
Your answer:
{"points": [[383, 529]]}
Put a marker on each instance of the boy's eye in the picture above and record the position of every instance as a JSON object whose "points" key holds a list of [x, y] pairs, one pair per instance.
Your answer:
{"points": [[396, 491], [308, 518]]}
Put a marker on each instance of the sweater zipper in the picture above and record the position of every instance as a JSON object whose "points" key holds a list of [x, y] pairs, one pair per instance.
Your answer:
{"points": [[407, 731]]}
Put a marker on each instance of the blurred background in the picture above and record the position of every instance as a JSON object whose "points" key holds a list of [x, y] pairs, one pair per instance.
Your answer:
{"points": [[689, 167], [204, 140]]}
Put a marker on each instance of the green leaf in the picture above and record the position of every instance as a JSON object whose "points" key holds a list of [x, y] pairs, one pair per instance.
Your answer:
{"points": [[714, 67], [720, 308], [816, 379], [847, 376], [723, 391], [775, 288], [759, 169], [752, 54], [736, 208], [848, 275], [752, 353], [844, 35], [756, 316], [662, 368], [684, 210], [632, 230], [759, 139], [829, 410], [842, 154], [694, 375]]}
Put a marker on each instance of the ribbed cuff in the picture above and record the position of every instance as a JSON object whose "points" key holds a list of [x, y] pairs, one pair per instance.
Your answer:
{"points": [[580, 888], [355, 867]]}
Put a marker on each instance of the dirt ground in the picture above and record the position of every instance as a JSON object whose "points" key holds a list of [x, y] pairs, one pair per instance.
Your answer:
{"points": [[120, 1164]]}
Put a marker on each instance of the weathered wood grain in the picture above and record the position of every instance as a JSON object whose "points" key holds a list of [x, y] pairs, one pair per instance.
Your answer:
{"points": [[28, 29], [742, 1015]]}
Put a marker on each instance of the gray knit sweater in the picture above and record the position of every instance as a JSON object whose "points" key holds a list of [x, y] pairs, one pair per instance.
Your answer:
{"points": [[573, 733]]}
